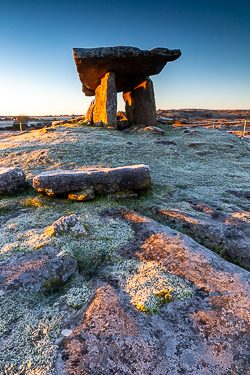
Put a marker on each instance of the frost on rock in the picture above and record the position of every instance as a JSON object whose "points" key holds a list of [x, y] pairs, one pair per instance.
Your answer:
{"points": [[68, 224]]}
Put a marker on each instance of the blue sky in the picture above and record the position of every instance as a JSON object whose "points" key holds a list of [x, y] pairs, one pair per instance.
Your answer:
{"points": [[38, 74]]}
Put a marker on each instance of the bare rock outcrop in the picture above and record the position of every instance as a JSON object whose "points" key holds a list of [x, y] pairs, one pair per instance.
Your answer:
{"points": [[11, 179], [40, 270], [228, 235], [101, 180], [206, 334]]}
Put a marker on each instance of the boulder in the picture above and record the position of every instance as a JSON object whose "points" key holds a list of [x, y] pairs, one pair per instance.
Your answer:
{"points": [[40, 270], [140, 102], [127, 62], [105, 106], [101, 180], [11, 179], [208, 333], [67, 224]]}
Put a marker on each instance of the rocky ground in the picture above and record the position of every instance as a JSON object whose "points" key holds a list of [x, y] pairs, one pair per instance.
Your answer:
{"points": [[134, 296]]}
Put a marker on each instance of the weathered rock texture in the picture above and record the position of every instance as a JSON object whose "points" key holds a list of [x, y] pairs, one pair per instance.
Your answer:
{"points": [[105, 71], [11, 179], [140, 103], [128, 63], [68, 224], [229, 235], [102, 180], [105, 107], [41, 270], [207, 334]]}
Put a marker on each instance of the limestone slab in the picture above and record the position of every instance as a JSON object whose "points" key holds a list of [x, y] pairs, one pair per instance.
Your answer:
{"points": [[127, 62], [102, 180]]}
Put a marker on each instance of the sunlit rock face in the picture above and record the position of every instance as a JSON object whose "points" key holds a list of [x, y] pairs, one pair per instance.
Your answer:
{"points": [[107, 70]]}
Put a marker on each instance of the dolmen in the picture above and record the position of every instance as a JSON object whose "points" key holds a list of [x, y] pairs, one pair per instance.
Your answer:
{"points": [[84, 184], [105, 71]]}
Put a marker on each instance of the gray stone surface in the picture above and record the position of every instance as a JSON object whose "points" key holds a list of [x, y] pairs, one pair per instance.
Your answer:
{"points": [[105, 107], [102, 180], [41, 270], [229, 235], [207, 334], [11, 179], [127, 63]]}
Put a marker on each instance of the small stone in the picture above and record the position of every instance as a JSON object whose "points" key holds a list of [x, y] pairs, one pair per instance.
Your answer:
{"points": [[154, 130], [67, 224], [83, 195], [11, 179]]}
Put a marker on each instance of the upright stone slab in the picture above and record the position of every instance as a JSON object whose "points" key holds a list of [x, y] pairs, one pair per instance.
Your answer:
{"points": [[140, 103], [89, 114], [106, 101]]}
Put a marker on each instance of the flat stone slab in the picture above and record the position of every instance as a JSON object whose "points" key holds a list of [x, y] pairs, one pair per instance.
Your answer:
{"points": [[11, 179], [208, 333], [102, 180], [127, 62], [41, 270]]}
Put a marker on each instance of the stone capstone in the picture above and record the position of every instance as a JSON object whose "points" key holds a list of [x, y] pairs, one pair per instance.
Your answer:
{"points": [[140, 103], [208, 333], [101, 180], [128, 63], [67, 224], [11, 179], [40, 270], [105, 106]]}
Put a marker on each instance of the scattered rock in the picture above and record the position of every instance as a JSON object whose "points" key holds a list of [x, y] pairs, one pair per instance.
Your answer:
{"points": [[42, 269], [11, 179], [165, 120], [240, 193], [208, 333], [83, 195], [154, 130], [68, 224], [165, 142], [101, 180]]}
